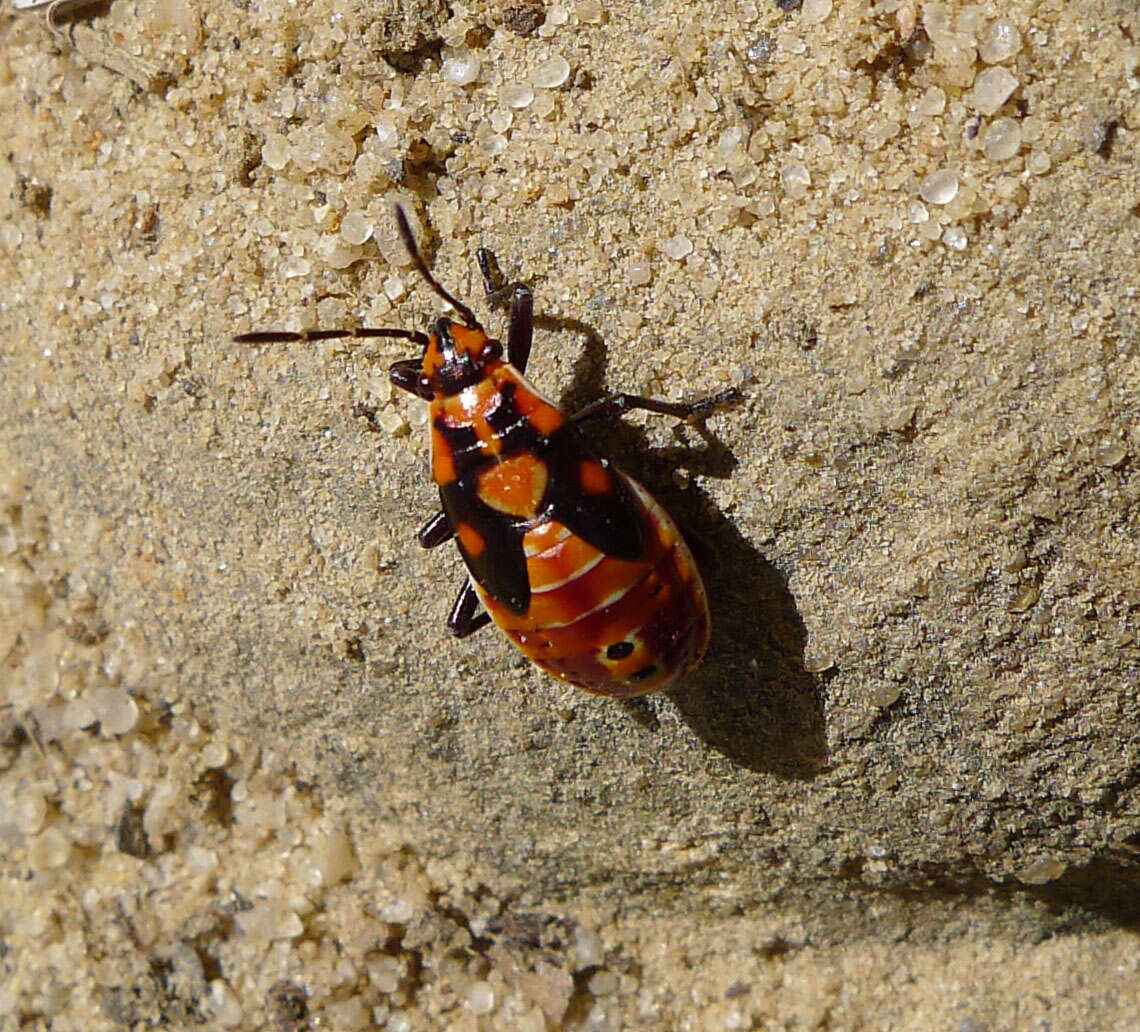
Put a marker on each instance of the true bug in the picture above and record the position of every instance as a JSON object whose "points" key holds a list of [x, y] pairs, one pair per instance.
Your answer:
{"points": [[573, 559]]}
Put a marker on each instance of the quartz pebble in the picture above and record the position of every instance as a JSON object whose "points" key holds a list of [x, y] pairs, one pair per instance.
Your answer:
{"points": [[461, 69], [992, 88], [1002, 140], [588, 949], [815, 11], [677, 247], [795, 179], [1000, 42], [516, 95], [355, 227], [275, 152], [115, 710], [480, 998], [551, 74], [939, 187], [955, 238]]}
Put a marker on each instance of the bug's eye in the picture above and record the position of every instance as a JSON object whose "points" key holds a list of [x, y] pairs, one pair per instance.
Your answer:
{"points": [[493, 349]]}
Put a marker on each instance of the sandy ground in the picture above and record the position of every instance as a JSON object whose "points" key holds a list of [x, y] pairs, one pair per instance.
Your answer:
{"points": [[246, 778]]}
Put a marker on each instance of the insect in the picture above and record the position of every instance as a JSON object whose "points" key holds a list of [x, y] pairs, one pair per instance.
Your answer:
{"points": [[574, 560]]}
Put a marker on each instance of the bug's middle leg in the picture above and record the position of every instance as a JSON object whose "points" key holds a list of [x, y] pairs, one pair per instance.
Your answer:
{"points": [[520, 322], [619, 404], [463, 618], [436, 531]]}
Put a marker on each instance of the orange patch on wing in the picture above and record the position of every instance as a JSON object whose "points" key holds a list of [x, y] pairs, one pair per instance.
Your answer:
{"points": [[514, 486], [442, 463], [593, 477], [490, 442], [543, 416], [471, 540]]}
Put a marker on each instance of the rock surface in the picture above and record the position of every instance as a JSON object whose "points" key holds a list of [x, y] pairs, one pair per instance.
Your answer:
{"points": [[236, 726]]}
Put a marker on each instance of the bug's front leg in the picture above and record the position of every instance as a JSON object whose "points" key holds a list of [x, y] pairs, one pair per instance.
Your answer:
{"points": [[463, 618], [520, 322], [406, 374]]}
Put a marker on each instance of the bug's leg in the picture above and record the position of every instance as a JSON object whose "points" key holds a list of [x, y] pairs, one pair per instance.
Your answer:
{"points": [[520, 323], [520, 326], [406, 375], [619, 404], [463, 620], [436, 531]]}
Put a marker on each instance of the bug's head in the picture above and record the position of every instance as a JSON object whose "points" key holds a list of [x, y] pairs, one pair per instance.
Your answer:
{"points": [[457, 356]]}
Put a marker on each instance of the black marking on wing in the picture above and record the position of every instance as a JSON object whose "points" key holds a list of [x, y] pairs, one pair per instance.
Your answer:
{"points": [[611, 521], [513, 429], [462, 444], [500, 569]]}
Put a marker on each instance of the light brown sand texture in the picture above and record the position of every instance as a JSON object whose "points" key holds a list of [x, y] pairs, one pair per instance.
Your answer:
{"points": [[247, 779]]}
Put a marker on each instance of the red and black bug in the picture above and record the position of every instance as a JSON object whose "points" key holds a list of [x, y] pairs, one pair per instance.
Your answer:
{"points": [[573, 559]]}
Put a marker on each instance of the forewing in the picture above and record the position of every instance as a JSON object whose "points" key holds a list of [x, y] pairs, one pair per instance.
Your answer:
{"points": [[588, 496], [491, 545]]}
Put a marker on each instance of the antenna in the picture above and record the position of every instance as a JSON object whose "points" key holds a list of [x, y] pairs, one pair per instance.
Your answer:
{"points": [[421, 266]]}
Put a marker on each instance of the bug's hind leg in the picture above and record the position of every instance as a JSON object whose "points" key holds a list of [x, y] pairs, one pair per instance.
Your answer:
{"points": [[619, 404], [436, 531], [520, 323], [463, 618]]}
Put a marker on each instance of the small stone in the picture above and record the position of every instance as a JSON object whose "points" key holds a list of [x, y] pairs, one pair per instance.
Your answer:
{"points": [[387, 135], [516, 95], [1042, 872], [602, 983], [759, 51], [356, 227], [1000, 42], [939, 187], [385, 975], [215, 754], [392, 423], [295, 266], [955, 238], [115, 710], [815, 11], [551, 74], [399, 910], [461, 69], [933, 102], [336, 252], [1111, 453], [1002, 140], [795, 179], [480, 998], [588, 950], [28, 812], [677, 247], [639, 274], [223, 1004], [1025, 599], [333, 857], [992, 88], [276, 152]]}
